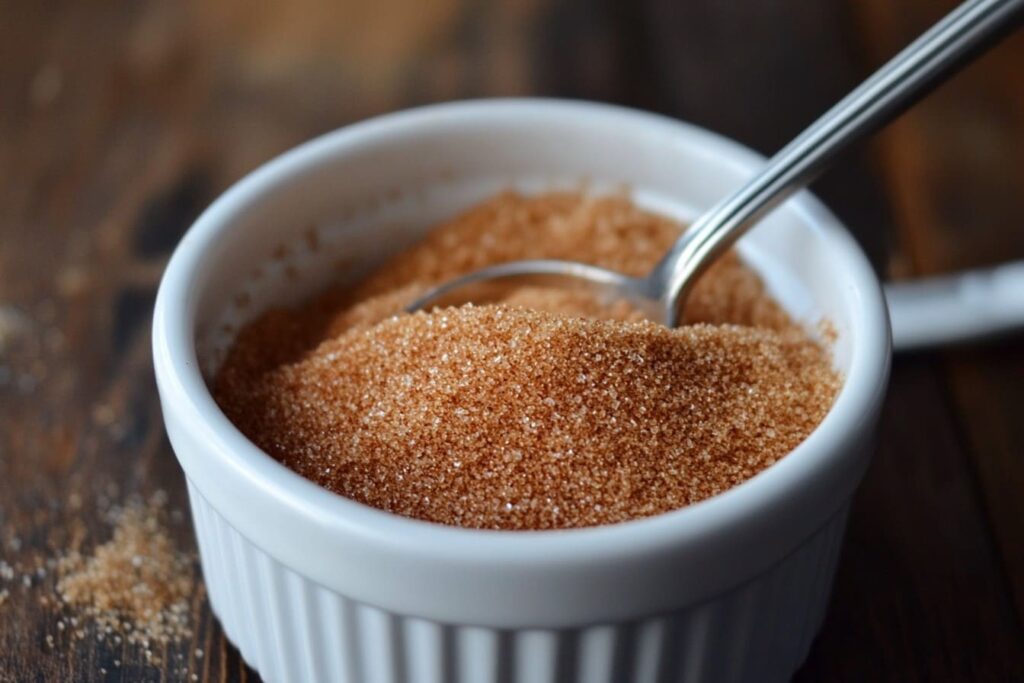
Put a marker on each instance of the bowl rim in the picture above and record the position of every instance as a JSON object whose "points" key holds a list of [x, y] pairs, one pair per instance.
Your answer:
{"points": [[184, 392]]}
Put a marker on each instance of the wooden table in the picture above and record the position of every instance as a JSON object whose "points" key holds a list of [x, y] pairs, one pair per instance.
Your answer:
{"points": [[119, 122]]}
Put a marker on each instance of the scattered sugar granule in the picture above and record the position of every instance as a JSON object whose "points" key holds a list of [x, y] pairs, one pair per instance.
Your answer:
{"points": [[137, 584]]}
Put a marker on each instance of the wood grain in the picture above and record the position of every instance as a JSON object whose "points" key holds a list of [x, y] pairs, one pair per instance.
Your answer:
{"points": [[953, 168], [120, 121]]}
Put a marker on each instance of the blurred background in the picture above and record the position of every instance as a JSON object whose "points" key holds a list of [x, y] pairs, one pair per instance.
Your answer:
{"points": [[120, 121]]}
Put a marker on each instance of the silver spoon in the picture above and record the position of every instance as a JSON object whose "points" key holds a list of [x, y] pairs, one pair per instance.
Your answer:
{"points": [[906, 78]]}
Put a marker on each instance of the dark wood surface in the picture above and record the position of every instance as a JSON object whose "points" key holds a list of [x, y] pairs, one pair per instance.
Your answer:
{"points": [[119, 121]]}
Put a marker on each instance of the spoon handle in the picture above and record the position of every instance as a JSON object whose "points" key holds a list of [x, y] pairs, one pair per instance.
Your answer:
{"points": [[906, 78]]}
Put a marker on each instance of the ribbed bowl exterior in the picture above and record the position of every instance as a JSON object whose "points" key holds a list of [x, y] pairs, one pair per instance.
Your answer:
{"points": [[292, 629]]}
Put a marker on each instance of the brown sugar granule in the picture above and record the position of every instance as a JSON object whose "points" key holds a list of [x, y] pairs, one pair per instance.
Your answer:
{"points": [[135, 587], [546, 408]]}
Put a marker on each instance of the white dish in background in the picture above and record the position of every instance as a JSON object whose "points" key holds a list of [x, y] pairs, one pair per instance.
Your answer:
{"points": [[312, 586]]}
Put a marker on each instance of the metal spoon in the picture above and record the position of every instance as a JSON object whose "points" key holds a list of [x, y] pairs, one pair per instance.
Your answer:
{"points": [[948, 45]]}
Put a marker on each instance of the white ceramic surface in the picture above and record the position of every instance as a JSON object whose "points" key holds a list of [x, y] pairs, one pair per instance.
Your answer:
{"points": [[312, 586]]}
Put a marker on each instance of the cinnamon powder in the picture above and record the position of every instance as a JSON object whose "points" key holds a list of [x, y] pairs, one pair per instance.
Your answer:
{"points": [[545, 408]]}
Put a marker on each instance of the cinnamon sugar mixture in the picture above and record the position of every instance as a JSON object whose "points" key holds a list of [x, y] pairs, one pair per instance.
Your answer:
{"points": [[543, 408]]}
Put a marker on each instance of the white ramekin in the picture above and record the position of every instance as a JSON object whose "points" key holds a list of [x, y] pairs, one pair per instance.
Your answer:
{"points": [[315, 587]]}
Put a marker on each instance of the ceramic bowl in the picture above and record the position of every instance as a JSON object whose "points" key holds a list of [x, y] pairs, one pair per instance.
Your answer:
{"points": [[313, 587]]}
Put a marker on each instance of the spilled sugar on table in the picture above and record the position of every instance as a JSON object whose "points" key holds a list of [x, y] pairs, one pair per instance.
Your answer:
{"points": [[121, 121]]}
